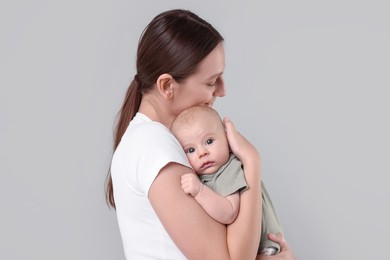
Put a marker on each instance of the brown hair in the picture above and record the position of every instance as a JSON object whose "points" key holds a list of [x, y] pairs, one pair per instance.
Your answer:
{"points": [[174, 42]]}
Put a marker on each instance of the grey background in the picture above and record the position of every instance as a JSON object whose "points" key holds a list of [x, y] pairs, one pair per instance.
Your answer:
{"points": [[307, 84]]}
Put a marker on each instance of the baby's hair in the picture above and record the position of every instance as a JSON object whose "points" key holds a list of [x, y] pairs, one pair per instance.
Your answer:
{"points": [[189, 115]]}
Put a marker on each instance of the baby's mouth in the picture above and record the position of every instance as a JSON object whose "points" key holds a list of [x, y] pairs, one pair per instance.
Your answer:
{"points": [[206, 165]]}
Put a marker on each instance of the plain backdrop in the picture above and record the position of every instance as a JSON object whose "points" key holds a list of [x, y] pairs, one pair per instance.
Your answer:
{"points": [[307, 82]]}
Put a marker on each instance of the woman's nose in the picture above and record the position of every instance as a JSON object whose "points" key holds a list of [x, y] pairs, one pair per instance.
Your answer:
{"points": [[220, 90]]}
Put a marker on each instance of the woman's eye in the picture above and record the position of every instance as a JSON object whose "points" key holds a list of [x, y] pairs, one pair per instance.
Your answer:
{"points": [[209, 141], [212, 84], [190, 150]]}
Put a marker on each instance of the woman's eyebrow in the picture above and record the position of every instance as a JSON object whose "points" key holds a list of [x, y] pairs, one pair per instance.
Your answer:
{"points": [[215, 75]]}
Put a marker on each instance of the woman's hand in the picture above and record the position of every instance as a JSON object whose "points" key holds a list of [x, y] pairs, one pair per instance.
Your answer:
{"points": [[285, 250], [239, 145], [247, 225]]}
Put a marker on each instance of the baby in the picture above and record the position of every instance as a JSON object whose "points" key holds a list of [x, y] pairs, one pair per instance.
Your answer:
{"points": [[221, 178]]}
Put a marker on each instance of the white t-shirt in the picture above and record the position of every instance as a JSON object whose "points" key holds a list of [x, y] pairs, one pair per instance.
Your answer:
{"points": [[145, 148]]}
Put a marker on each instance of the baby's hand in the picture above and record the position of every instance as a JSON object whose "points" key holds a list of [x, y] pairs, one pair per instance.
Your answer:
{"points": [[191, 184]]}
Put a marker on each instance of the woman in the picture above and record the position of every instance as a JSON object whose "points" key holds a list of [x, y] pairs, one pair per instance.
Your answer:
{"points": [[180, 61]]}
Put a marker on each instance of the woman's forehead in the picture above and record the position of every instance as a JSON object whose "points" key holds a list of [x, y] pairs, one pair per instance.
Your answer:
{"points": [[213, 64]]}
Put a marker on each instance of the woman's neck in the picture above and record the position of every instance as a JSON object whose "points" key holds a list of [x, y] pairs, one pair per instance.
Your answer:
{"points": [[155, 110]]}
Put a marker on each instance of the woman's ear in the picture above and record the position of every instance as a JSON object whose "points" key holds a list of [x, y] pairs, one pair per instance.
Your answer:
{"points": [[165, 86]]}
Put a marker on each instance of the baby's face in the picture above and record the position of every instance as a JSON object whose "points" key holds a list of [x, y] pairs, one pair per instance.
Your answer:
{"points": [[205, 145]]}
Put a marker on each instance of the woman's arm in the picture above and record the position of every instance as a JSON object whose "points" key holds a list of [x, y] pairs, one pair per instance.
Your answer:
{"points": [[248, 222], [195, 233]]}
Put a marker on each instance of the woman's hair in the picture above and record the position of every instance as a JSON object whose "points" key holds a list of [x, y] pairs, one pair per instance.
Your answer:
{"points": [[174, 42]]}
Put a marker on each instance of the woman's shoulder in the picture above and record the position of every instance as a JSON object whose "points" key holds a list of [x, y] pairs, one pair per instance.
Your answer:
{"points": [[145, 133], [143, 125], [149, 131]]}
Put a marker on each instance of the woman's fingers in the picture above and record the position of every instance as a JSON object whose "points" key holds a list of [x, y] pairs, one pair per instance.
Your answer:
{"points": [[239, 145], [230, 127], [285, 250], [232, 135], [279, 238]]}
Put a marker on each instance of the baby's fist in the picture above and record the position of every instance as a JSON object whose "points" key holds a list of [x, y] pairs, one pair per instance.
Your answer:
{"points": [[191, 184]]}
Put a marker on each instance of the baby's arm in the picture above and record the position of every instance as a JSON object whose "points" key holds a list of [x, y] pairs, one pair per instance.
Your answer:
{"points": [[222, 209]]}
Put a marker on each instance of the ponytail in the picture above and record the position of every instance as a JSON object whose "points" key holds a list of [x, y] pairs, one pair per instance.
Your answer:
{"points": [[126, 114]]}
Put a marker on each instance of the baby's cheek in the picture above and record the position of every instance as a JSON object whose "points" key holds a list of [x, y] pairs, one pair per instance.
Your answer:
{"points": [[194, 163]]}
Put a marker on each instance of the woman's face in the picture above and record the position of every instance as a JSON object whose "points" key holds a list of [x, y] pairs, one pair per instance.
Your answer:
{"points": [[203, 87]]}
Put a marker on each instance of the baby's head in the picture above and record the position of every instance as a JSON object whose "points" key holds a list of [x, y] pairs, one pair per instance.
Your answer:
{"points": [[202, 135]]}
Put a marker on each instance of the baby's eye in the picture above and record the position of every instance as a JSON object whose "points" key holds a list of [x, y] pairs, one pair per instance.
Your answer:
{"points": [[190, 150], [209, 141]]}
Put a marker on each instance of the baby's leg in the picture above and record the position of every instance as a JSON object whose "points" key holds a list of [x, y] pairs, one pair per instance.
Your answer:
{"points": [[269, 224]]}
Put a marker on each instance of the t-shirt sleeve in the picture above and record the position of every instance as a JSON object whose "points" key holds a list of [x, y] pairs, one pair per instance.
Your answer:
{"points": [[231, 178], [158, 147]]}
